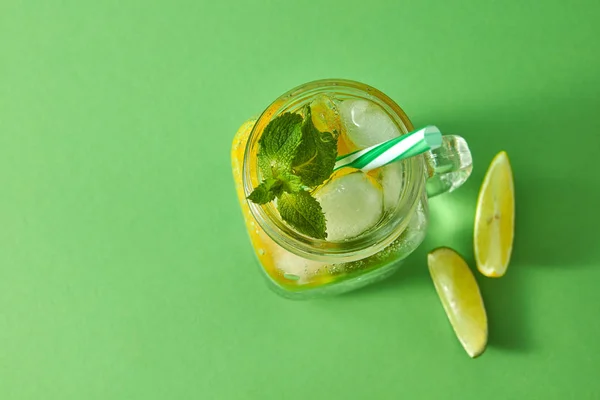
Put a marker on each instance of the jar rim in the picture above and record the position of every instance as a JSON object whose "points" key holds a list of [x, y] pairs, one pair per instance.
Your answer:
{"points": [[351, 249]]}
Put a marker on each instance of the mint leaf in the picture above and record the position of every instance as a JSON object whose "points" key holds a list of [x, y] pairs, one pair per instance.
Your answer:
{"points": [[278, 144], [266, 191], [303, 212], [291, 183], [316, 154]]}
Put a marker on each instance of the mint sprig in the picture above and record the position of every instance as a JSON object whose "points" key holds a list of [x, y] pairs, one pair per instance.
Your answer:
{"points": [[294, 157]]}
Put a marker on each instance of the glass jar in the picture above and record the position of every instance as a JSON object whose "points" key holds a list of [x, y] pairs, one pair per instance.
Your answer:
{"points": [[298, 266]]}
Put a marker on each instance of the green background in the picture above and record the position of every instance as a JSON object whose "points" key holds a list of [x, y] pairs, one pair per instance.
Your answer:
{"points": [[125, 270]]}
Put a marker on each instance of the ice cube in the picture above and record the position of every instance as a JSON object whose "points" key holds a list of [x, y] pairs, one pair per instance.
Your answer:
{"points": [[366, 123], [352, 204], [392, 178]]}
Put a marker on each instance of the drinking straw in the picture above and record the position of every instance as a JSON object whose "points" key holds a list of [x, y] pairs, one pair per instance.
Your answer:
{"points": [[399, 148]]}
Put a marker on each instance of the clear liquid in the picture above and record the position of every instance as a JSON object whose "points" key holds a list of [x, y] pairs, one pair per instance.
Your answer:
{"points": [[292, 274]]}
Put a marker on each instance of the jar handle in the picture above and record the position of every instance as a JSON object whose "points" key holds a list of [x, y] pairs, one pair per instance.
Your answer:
{"points": [[448, 166]]}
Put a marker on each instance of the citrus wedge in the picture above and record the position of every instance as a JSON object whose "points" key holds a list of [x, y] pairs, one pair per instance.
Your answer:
{"points": [[495, 218], [460, 296]]}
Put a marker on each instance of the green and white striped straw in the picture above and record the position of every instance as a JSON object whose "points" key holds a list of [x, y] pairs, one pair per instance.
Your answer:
{"points": [[400, 148]]}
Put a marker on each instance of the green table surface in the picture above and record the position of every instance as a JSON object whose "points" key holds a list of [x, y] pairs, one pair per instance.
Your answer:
{"points": [[125, 269]]}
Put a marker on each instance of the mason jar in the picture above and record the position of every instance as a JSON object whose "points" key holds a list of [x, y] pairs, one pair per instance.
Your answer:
{"points": [[298, 266]]}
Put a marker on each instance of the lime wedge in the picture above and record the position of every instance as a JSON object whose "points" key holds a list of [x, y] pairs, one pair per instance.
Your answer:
{"points": [[460, 296]]}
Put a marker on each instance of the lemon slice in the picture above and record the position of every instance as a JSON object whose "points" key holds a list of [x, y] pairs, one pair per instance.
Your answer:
{"points": [[495, 218], [460, 296]]}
